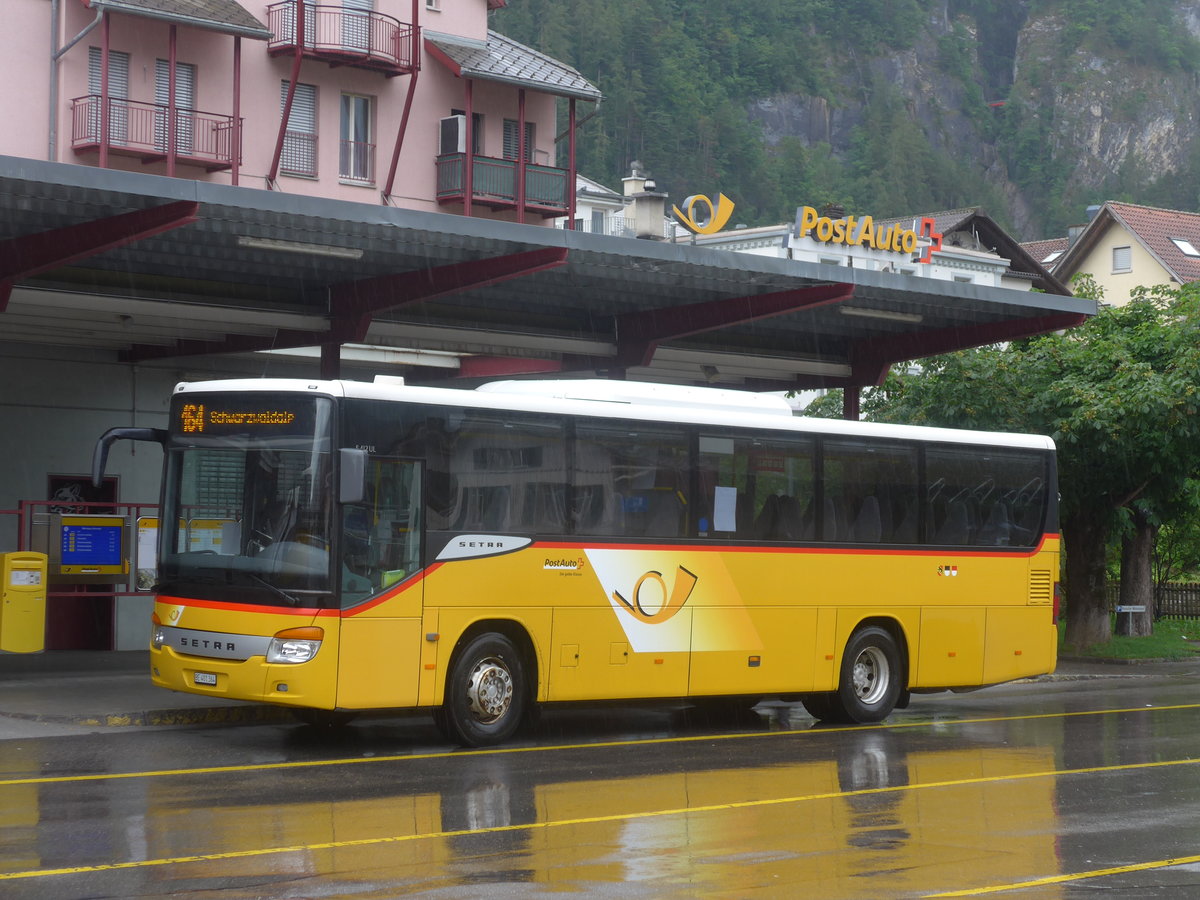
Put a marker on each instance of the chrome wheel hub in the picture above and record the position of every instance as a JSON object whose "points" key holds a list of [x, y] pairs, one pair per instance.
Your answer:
{"points": [[490, 690], [871, 675]]}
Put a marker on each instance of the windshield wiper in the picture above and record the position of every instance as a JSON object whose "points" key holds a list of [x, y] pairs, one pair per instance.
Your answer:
{"points": [[290, 599]]}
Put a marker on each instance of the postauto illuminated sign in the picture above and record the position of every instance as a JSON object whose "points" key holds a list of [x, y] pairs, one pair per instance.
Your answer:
{"points": [[861, 231]]}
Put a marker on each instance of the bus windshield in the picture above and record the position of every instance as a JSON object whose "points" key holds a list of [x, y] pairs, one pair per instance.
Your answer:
{"points": [[248, 500]]}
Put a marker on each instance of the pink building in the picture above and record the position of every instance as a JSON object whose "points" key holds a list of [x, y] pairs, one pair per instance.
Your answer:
{"points": [[412, 103]]}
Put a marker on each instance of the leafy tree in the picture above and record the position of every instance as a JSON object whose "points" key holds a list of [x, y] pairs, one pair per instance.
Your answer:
{"points": [[1119, 395]]}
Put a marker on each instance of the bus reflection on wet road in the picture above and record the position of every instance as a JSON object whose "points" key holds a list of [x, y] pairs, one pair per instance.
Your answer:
{"points": [[1045, 790]]}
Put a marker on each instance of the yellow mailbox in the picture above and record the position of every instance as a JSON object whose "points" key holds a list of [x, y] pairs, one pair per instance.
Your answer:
{"points": [[23, 602]]}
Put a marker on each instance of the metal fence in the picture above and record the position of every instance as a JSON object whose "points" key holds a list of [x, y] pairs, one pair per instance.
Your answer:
{"points": [[1171, 601]]}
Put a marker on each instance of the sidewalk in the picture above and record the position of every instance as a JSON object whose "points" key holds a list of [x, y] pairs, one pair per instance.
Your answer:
{"points": [[96, 688], [107, 688]]}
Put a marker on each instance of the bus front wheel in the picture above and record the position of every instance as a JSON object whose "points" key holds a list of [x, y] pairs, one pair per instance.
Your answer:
{"points": [[486, 692], [870, 682]]}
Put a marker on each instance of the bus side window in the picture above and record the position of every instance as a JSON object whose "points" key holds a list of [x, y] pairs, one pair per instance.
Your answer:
{"points": [[984, 497], [780, 482], [630, 480], [506, 473], [870, 492]]}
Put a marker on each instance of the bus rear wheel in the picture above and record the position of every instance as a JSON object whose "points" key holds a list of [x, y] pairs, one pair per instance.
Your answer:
{"points": [[870, 682], [485, 694]]}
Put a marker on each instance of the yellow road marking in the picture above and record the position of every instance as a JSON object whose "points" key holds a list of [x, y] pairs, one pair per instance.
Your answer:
{"points": [[1077, 876], [500, 751], [593, 820]]}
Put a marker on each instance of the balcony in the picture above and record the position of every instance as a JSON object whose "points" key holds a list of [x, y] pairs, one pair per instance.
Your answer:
{"points": [[344, 37], [494, 184], [140, 130]]}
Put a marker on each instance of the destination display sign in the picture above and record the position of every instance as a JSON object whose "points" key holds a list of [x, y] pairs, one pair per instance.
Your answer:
{"points": [[215, 414]]}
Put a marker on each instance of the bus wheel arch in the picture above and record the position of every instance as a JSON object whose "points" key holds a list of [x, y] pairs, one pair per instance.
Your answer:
{"points": [[491, 684], [872, 676]]}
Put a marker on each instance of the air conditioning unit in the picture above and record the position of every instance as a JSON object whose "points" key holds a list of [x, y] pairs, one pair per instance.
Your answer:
{"points": [[453, 135]]}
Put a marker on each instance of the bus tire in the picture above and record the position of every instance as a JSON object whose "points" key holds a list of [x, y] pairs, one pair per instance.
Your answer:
{"points": [[819, 706], [871, 677], [486, 693]]}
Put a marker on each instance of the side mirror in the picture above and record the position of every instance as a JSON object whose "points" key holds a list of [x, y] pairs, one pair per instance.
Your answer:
{"points": [[100, 453], [352, 480]]}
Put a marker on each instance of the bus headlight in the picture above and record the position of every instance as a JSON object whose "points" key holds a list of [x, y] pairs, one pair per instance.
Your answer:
{"points": [[295, 645], [157, 635]]}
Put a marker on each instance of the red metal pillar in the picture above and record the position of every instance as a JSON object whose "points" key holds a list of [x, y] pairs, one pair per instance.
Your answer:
{"points": [[469, 156], [331, 361], [104, 110], [571, 166], [521, 151], [391, 179], [235, 134], [291, 95], [415, 67], [851, 402], [172, 49]]}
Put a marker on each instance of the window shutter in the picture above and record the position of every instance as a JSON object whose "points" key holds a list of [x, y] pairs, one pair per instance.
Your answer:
{"points": [[118, 73], [185, 102], [1122, 259], [118, 90], [300, 142], [512, 140]]}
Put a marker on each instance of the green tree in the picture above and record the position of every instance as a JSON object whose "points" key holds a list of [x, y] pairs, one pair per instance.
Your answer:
{"points": [[1119, 395]]}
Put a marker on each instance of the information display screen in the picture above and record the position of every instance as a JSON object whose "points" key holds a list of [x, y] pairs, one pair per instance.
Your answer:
{"points": [[89, 545]]}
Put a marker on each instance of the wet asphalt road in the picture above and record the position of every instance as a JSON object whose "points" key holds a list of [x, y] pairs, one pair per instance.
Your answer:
{"points": [[1052, 789]]}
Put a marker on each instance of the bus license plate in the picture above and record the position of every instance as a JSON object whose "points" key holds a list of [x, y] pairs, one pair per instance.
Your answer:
{"points": [[206, 678]]}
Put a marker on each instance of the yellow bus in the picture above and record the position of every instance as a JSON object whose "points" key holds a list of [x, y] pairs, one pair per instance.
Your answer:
{"points": [[338, 547]]}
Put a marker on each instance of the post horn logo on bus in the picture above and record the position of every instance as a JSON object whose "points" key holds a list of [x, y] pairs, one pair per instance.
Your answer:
{"points": [[700, 216], [861, 231], [665, 602]]}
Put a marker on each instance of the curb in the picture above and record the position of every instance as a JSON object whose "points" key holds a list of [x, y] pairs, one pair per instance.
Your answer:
{"points": [[224, 715], [1110, 661]]}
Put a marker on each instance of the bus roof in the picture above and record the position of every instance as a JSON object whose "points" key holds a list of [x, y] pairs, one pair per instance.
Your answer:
{"points": [[622, 400]]}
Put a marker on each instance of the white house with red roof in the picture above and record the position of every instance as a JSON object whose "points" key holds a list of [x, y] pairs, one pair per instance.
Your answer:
{"points": [[1125, 246]]}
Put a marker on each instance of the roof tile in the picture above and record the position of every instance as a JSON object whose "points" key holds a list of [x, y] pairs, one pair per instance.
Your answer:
{"points": [[506, 60]]}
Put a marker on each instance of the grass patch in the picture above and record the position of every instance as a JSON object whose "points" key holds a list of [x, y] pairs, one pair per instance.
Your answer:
{"points": [[1173, 639]]}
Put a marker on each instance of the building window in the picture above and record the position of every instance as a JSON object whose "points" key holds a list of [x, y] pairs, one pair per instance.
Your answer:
{"points": [[512, 142], [1122, 259], [598, 221], [433, 5], [118, 93], [1186, 247], [300, 140], [357, 157]]}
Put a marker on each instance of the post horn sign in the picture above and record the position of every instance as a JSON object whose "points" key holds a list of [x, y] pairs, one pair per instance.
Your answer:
{"points": [[701, 216]]}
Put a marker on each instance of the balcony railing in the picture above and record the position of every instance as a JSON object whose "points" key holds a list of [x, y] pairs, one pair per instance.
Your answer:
{"points": [[494, 184], [356, 162], [141, 130], [345, 37]]}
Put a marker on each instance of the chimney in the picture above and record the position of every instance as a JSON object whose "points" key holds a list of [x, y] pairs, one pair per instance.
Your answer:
{"points": [[635, 183], [648, 205]]}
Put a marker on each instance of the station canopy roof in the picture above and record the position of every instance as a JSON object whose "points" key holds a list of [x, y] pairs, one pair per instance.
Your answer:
{"points": [[159, 269]]}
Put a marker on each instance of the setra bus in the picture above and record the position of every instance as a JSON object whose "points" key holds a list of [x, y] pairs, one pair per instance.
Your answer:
{"points": [[338, 546]]}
